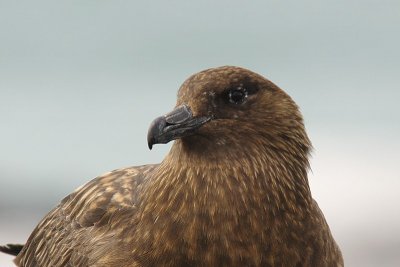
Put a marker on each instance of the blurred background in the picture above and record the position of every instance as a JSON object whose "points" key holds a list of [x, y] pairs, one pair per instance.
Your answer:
{"points": [[80, 82]]}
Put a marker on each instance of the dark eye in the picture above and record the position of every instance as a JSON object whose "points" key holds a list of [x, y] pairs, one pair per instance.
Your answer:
{"points": [[237, 95]]}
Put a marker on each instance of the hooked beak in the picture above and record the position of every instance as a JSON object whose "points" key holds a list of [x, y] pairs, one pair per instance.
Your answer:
{"points": [[174, 125]]}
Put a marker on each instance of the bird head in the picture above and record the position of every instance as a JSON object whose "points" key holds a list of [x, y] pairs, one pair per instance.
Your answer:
{"points": [[231, 107]]}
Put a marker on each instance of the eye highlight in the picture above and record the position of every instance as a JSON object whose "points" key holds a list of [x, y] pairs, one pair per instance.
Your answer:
{"points": [[237, 95]]}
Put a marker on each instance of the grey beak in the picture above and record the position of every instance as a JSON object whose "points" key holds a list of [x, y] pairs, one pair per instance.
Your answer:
{"points": [[178, 123]]}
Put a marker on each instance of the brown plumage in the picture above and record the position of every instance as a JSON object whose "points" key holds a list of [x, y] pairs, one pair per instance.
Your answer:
{"points": [[233, 190]]}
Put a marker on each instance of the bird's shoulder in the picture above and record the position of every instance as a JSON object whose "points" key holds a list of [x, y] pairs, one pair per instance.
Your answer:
{"points": [[86, 220], [118, 189]]}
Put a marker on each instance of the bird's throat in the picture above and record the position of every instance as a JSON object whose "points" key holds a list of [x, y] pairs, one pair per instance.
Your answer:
{"points": [[202, 205], [185, 187]]}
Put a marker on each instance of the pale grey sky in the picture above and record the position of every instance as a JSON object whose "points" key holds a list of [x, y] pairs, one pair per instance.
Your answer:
{"points": [[80, 81]]}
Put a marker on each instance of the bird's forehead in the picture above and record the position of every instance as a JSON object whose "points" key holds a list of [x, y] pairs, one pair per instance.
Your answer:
{"points": [[216, 80]]}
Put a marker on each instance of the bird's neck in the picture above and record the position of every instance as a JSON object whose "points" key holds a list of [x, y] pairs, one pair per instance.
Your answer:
{"points": [[207, 183], [195, 209]]}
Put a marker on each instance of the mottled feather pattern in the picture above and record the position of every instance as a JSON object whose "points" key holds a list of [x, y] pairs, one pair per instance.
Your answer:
{"points": [[79, 226], [232, 191]]}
